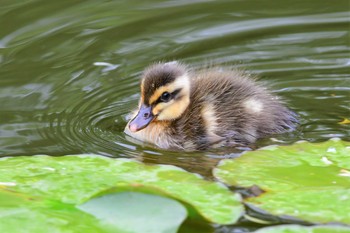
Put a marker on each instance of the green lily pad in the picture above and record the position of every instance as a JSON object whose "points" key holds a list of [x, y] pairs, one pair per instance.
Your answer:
{"points": [[21, 213], [309, 181], [304, 229], [125, 212], [137, 212], [76, 179]]}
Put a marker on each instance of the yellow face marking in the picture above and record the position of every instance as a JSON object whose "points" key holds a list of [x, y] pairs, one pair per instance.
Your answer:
{"points": [[159, 108], [142, 90], [159, 92], [182, 82], [175, 107]]}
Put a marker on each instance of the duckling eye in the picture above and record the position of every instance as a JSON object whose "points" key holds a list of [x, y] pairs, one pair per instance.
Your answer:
{"points": [[165, 97]]}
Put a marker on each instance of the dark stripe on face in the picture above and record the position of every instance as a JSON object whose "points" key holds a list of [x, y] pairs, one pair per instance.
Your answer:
{"points": [[157, 76], [174, 93], [172, 96]]}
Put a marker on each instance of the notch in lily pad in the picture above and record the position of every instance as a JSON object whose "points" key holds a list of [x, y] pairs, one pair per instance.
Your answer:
{"points": [[307, 181], [76, 179]]}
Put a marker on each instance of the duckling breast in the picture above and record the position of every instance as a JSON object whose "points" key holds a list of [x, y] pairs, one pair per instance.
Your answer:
{"points": [[159, 134]]}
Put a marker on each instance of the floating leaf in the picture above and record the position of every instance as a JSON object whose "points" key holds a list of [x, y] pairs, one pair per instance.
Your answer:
{"points": [[304, 229], [305, 180], [75, 179], [137, 212], [22, 213]]}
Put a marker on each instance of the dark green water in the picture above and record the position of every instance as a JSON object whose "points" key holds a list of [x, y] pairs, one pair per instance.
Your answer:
{"points": [[69, 70]]}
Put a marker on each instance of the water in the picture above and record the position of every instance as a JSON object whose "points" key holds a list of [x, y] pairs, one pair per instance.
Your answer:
{"points": [[69, 70]]}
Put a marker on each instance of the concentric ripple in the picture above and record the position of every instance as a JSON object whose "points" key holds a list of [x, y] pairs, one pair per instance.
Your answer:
{"points": [[92, 125]]}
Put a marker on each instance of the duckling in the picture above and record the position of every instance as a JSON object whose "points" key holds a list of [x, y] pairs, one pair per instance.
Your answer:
{"points": [[183, 109]]}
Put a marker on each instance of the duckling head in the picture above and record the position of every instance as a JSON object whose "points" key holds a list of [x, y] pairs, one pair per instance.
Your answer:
{"points": [[165, 94]]}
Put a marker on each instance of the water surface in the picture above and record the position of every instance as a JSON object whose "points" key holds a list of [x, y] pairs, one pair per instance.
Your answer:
{"points": [[69, 70]]}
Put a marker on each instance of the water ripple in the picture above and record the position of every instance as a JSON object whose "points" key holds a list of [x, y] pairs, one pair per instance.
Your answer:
{"points": [[71, 70]]}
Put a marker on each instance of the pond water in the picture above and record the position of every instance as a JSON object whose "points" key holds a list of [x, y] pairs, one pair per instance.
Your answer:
{"points": [[69, 70]]}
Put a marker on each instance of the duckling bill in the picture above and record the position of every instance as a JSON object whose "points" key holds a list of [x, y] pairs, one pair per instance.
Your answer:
{"points": [[186, 110]]}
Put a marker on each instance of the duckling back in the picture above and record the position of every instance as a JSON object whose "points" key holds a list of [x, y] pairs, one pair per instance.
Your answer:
{"points": [[228, 108]]}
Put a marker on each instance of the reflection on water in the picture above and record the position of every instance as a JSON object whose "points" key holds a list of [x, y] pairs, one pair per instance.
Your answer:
{"points": [[69, 70]]}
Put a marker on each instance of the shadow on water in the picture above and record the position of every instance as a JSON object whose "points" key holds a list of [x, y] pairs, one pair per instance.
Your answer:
{"points": [[70, 69]]}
